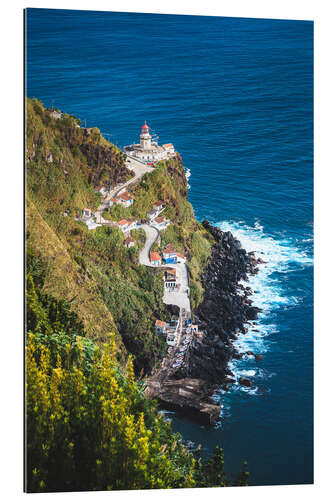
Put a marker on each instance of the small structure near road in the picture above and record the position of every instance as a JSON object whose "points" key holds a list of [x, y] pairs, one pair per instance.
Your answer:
{"points": [[159, 206], [160, 327], [170, 278], [125, 199], [155, 259], [101, 190], [123, 225], [129, 242], [169, 254], [127, 225], [86, 213], [181, 259], [160, 223], [112, 201]]}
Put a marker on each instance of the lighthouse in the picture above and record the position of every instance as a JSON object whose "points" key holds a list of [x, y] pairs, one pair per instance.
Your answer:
{"points": [[145, 137], [148, 150]]}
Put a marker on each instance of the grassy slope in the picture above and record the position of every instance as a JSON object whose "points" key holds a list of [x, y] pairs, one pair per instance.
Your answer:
{"points": [[66, 280]]}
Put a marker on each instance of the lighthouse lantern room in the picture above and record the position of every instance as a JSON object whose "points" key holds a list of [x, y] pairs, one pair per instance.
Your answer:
{"points": [[145, 137]]}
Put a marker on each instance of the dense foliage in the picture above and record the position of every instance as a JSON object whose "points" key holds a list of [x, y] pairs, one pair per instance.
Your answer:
{"points": [[92, 429], [89, 426]]}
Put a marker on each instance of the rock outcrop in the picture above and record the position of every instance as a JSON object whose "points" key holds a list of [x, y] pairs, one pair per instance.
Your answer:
{"points": [[225, 310]]}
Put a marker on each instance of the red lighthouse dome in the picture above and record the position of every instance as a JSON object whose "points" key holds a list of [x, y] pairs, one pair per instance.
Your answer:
{"points": [[145, 127]]}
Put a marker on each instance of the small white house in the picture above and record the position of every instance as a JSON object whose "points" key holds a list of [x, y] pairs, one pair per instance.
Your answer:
{"points": [[159, 206], [169, 148], [152, 214], [125, 199], [160, 327], [161, 223], [113, 201], [123, 225], [132, 225], [155, 259], [86, 213], [181, 259], [169, 254], [91, 224]]}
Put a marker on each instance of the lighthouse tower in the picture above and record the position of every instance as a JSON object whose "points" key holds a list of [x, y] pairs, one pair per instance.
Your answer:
{"points": [[145, 137]]}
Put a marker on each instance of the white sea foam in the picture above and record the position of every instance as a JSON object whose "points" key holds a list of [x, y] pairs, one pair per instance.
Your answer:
{"points": [[188, 175], [280, 256]]}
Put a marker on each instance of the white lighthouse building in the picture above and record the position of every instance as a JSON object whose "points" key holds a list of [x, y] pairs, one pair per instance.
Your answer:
{"points": [[149, 151], [145, 137]]}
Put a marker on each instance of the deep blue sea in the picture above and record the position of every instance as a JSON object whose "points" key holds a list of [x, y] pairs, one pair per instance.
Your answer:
{"points": [[235, 97]]}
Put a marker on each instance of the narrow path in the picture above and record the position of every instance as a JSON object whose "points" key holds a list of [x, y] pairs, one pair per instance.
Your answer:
{"points": [[139, 170], [179, 297]]}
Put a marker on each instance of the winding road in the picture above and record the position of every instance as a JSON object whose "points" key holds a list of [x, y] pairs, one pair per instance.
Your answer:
{"points": [[139, 170], [151, 236], [179, 297]]}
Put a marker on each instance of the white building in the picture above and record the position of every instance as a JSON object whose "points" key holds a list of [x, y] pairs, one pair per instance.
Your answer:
{"points": [[147, 150], [125, 199], [160, 223]]}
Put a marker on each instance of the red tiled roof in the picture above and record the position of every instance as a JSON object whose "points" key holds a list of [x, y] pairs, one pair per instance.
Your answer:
{"points": [[169, 145], [125, 196], [158, 322], [159, 220], [123, 222], [154, 256], [171, 271], [180, 255]]}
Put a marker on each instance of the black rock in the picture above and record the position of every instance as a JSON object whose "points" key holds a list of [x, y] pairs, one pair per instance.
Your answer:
{"points": [[245, 381]]}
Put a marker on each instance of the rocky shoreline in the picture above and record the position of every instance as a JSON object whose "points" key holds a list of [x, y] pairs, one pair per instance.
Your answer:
{"points": [[222, 316], [224, 312]]}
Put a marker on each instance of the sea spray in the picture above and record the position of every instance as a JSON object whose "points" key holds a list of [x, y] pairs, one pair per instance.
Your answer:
{"points": [[281, 256]]}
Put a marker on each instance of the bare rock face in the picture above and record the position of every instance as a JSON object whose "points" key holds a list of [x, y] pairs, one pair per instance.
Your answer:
{"points": [[225, 309]]}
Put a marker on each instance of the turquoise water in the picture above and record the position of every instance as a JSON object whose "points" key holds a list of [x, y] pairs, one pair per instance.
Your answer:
{"points": [[235, 97]]}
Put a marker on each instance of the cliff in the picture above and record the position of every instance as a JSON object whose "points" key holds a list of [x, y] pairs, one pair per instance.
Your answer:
{"points": [[93, 270]]}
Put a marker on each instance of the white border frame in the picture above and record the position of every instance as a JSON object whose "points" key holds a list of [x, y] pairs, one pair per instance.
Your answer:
{"points": [[12, 231]]}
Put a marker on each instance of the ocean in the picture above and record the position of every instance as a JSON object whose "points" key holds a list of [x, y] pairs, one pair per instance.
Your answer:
{"points": [[235, 97]]}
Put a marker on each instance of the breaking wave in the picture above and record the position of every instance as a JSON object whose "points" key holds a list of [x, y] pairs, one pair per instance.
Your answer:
{"points": [[281, 256], [188, 175]]}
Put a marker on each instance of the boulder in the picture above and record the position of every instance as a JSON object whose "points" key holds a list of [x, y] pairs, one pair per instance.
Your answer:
{"points": [[245, 381]]}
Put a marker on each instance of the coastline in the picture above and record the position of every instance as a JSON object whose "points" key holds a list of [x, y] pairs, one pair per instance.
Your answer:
{"points": [[190, 389]]}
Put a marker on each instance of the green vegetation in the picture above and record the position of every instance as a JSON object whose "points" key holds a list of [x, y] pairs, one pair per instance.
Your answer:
{"points": [[89, 426], [168, 184], [92, 270]]}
